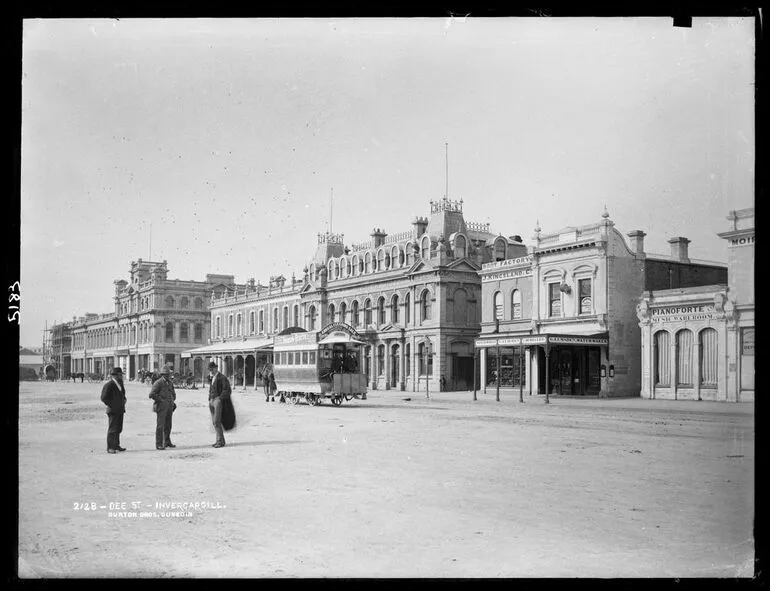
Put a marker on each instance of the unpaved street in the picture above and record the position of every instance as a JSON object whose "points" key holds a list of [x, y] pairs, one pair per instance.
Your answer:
{"points": [[387, 487]]}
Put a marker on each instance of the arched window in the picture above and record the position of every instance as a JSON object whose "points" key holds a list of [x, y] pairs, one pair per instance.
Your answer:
{"points": [[584, 295], [239, 324], [343, 312], [425, 248], [367, 312], [184, 334], [381, 311], [662, 359], [380, 360], [500, 249], [261, 321], [218, 323], [286, 317], [185, 302], [355, 267], [169, 332], [498, 306], [407, 360], [516, 304], [198, 332], [169, 302], [460, 247], [275, 320], [333, 269], [311, 273], [368, 262], [387, 261], [684, 357], [331, 312], [395, 260], [252, 325], [311, 318], [198, 303], [348, 267], [230, 326], [355, 313], [296, 315], [709, 360], [407, 310], [394, 309], [425, 306], [409, 254]]}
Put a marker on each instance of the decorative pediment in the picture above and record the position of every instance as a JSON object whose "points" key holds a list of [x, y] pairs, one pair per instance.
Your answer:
{"points": [[464, 265]]}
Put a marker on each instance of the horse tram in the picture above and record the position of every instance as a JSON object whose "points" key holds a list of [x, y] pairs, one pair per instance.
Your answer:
{"points": [[318, 365]]}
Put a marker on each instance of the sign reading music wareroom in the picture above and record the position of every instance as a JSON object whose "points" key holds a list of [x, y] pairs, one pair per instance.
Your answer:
{"points": [[682, 313]]}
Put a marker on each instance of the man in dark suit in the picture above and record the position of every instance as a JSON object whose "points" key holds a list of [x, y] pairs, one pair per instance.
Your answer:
{"points": [[164, 396], [114, 397], [218, 391]]}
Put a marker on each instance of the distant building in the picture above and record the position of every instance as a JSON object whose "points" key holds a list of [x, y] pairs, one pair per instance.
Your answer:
{"points": [[154, 321], [562, 318], [698, 342]]}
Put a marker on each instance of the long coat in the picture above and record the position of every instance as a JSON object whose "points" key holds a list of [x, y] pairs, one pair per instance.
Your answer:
{"points": [[114, 398], [220, 387], [162, 392]]}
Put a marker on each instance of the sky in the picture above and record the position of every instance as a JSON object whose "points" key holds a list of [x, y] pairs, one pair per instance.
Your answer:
{"points": [[216, 144]]}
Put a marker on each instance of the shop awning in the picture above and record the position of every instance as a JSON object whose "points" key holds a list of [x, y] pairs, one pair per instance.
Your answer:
{"points": [[247, 346], [592, 340]]}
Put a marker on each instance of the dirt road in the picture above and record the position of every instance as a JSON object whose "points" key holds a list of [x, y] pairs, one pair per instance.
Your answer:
{"points": [[387, 487]]}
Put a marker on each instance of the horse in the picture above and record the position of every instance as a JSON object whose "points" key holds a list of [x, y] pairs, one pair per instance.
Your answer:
{"points": [[76, 375]]}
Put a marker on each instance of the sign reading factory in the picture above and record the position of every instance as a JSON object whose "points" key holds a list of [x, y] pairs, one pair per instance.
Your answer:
{"points": [[682, 313], [743, 241]]}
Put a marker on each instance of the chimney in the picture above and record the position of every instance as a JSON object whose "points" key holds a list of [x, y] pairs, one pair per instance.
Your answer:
{"points": [[637, 241], [378, 237], [420, 225], [679, 248]]}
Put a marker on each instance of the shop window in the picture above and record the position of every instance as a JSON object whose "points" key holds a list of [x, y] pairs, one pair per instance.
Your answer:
{"points": [[709, 360], [585, 296], [684, 358], [380, 360], [662, 359], [554, 300], [516, 304]]}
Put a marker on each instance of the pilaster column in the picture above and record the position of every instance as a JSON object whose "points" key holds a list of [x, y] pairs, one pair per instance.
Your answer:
{"points": [[388, 355], [483, 368], [401, 364]]}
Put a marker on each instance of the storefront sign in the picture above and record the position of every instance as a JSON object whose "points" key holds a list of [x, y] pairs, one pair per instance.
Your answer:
{"points": [[557, 340], [747, 341], [743, 241], [507, 275], [507, 263], [683, 313]]}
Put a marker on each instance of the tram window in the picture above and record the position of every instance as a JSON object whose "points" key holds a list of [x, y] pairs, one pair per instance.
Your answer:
{"points": [[311, 357], [304, 357], [290, 360]]}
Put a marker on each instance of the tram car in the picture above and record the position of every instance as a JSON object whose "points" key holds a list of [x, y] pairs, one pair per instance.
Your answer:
{"points": [[316, 365]]}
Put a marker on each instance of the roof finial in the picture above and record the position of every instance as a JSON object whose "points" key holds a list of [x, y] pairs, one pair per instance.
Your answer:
{"points": [[537, 226], [605, 214]]}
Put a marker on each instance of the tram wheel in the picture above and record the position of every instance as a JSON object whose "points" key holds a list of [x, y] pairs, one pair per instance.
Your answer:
{"points": [[294, 398], [336, 400], [348, 397]]}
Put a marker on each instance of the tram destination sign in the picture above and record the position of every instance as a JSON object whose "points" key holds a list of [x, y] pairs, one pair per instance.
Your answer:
{"points": [[682, 313]]}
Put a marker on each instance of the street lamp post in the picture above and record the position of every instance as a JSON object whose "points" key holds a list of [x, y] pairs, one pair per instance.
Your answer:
{"points": [[547, 374], [475, 353], [497, 380], [521, 374]]}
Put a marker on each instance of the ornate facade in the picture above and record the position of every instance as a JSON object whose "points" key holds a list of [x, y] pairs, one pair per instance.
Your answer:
{"points": [[562, 319], [414, 296], [698, 342], [154, 321]]}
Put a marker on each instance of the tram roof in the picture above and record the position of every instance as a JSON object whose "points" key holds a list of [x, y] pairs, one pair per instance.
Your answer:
{"points": [[246, 346]]}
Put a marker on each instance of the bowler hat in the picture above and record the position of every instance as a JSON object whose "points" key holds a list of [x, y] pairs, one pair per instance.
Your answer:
{"points": [[212, 365], [165, 371], [116, 371]]}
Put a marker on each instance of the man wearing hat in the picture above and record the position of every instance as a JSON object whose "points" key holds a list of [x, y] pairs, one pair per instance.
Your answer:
{"points": [[218, 391], [114, 397], [163, 395]]}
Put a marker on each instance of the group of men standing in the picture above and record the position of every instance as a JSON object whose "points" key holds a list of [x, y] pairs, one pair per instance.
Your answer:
{"points": [[163, 396]]}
